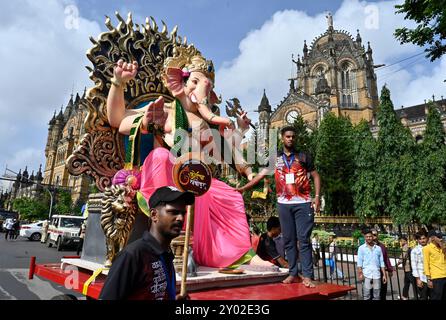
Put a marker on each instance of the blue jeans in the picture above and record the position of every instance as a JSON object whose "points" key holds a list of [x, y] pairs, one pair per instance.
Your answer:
{"points": [[296, 222], [333, 268]]}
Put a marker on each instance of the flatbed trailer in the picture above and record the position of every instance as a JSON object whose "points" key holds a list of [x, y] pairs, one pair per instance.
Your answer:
{"points": [[91, 285]]}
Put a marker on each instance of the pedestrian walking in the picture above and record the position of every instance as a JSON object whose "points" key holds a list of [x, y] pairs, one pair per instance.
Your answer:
{"points": [[404, 261], [316, 249], [417, 261], [81, 236], [388, 269], [371, 267], [335, 273], [435, 265]]}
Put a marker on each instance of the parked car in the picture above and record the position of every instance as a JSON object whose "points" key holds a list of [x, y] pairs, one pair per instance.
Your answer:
{"points": [[32, 231], [63, 231]]}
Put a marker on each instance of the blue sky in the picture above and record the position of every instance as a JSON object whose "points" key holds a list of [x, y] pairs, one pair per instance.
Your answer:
{"points": [[250, 42], [217, 27]]}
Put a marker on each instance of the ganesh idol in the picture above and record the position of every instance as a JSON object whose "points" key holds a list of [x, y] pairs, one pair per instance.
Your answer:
{"points": [[221, 231]]}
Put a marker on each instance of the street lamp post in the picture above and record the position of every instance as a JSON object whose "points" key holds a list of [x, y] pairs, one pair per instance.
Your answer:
{"points": [[45, 188], [51, 202]]}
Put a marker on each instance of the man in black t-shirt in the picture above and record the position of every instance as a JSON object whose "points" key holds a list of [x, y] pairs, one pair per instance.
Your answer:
{"points": [[267, 247], [144, 269]]}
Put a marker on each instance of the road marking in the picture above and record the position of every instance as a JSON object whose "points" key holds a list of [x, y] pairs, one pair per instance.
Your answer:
{"points": [[6, 294], [42, 288]]}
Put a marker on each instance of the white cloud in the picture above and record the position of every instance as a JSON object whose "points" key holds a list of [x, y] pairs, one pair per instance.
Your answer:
{"points": [[43, 58], [265, 54]]}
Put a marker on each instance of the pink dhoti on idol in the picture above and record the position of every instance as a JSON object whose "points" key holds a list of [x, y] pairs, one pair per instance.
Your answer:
{"points": [[221, 231]]}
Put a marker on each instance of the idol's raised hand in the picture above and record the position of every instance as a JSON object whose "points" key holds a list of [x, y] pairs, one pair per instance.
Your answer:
{"points": [[124, 71]]}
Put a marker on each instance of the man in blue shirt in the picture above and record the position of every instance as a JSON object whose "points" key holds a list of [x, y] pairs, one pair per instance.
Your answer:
{"points": [[370, 263]]}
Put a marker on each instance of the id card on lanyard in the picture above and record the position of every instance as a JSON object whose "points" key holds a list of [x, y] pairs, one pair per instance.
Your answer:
{"points": [[289, 177], [171, 282]]}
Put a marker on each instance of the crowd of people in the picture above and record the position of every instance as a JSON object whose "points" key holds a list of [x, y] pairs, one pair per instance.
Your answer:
{"points": [[424, 266], [12, 228]]}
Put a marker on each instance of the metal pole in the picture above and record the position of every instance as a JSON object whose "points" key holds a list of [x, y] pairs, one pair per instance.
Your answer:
{"points": [[51, 203]]}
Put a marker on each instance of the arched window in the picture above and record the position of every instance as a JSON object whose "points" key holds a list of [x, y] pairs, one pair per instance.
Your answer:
{"points": [[348, 86]]}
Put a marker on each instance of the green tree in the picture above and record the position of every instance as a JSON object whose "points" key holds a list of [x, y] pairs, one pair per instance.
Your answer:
{"points": [[430, 16], [394, 164], [64, 203], [431, 171], [335, 163], [303, 138], [365, 192], [31, 209]]}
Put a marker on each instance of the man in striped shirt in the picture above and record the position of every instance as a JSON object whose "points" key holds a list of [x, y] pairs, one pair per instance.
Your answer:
{"points": [[416, 259]]}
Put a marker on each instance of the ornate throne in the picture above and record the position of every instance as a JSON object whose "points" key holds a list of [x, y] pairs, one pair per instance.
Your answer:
{"points": [[101, 152]]}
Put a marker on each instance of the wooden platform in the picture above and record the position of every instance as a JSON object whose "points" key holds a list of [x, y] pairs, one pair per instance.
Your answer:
{"points": [[274, 291]]}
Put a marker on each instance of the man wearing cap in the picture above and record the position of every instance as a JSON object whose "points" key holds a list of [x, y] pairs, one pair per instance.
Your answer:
{"points": [[144, 269], [435, 265]]}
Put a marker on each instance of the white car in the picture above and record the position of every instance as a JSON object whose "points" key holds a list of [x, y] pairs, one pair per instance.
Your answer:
{"points": [[63, 231], [32, 231]]}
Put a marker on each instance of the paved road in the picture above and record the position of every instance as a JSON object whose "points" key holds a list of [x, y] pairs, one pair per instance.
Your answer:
{"points": [[14, 263]]}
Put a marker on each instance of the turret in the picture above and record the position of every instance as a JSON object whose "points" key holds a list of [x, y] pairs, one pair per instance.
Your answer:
{"points": [[39, 175], [264, 104], [358, 39]]}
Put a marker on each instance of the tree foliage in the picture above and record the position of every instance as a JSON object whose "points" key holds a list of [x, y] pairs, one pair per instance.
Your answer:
{"points": [[365, 191], [431, 171], [430, 16], [64, 202], [31, 209], [335, 163], [395, 161]]}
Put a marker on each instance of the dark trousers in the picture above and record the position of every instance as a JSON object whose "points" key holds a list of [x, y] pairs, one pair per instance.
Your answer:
{"points": [[439, 289], [316, 257], [79, 246], [296, 221], [408, 280], [424, 292], [383, 291]]}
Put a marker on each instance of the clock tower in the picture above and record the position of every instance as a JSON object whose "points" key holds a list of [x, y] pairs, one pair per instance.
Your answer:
{"points": [[334, 74]]}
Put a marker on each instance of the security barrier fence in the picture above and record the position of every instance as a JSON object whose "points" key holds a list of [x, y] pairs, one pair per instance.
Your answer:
{"points": [[343, 270]]}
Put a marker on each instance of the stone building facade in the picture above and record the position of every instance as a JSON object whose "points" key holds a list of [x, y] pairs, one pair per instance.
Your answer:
{"points": [[64, 134], [335, 74]]}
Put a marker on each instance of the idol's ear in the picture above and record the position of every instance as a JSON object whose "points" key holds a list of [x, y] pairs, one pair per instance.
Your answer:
{"points": [[173, 80], [213, 99]]}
